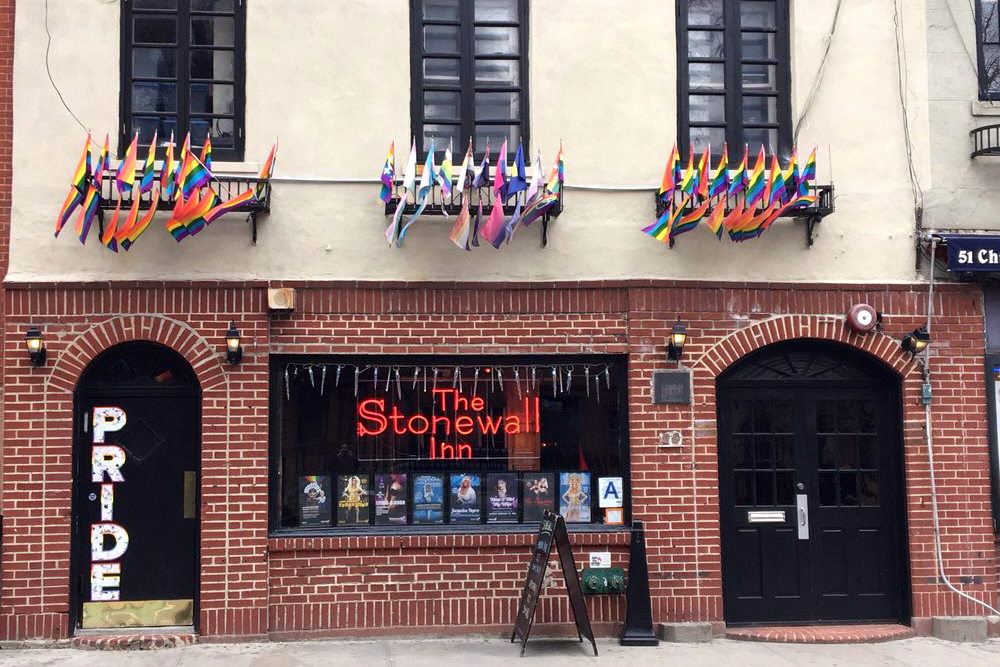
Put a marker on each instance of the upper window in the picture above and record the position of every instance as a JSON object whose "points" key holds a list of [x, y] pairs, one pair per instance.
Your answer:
{"points": [[733, 75], [988, 40], [469, 73], [183, 67]]}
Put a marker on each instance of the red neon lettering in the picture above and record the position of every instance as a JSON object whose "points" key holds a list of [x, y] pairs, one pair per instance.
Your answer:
{"points": [[464, 425], [538, 421], [489, 426], [395, 417], [512, 424], [477, 403], [415, 430], [380, 421], [464, 451], [445, 421], [444, 400]]}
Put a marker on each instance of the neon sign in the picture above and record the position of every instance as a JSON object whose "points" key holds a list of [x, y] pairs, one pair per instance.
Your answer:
{"points": [[373, 421]]}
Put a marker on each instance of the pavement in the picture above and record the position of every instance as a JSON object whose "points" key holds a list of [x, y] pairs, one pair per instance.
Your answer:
{"points": [[473, 652]]}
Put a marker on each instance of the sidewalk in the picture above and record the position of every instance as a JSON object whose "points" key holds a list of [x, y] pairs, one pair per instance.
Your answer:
{"points": [[468, 652]]}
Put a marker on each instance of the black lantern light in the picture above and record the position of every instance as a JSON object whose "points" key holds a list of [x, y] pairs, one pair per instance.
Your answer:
{"points": [[678, 336], [916, 341], [36, 346], [234, 353]]}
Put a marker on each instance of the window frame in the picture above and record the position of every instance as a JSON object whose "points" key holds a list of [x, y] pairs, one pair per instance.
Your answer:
{"points": [[183, 76], [733, 91], [277, 362], [983, 84], [466, 85]]}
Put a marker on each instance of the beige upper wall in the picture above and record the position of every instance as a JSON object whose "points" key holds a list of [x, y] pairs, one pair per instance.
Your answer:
{"points": [[331, 80]]}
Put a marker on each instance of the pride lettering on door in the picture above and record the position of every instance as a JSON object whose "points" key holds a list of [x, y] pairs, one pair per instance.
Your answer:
{"points": [[106, 463]]}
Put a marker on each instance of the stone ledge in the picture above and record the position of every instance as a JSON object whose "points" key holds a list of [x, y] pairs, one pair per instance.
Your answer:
{"points": [[685, 632], [960, 628], [131, 642], [822, 634]]}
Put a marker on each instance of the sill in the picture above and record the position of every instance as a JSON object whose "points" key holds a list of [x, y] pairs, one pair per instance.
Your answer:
{"points": [[454, 529], [986, 108]]}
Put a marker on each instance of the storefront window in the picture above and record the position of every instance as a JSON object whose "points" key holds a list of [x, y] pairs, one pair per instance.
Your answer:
{"points": [[442, 442]]}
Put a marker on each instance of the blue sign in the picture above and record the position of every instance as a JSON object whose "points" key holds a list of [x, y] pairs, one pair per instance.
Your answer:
{"points": [[969, 252]]}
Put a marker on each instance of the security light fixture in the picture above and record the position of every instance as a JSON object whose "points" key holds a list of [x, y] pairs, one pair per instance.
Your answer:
{"points": [[36, 346], [916, 341], [234, 353], [678, 336]]}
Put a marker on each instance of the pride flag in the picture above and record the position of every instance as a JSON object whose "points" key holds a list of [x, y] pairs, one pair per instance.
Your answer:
{"points": [[808, 174], [444, 174], [482, 173], [755, 183], [125, 176], [460, 230], [146, 183], [388, 174], [206, 152], [103, 161], [136, 230], [703, 168], [90, 204], [108, 239], [775, 189], [194, 174], [426, 181], [500, 173], [122, 234], [73, 199], [465, 171], [555, 181], [689, 180], [738, 180], [225, 207], [167, 172], [409, 183], [719, 181], [715, 218], [660, 230], [668, 181], [268, 169]]}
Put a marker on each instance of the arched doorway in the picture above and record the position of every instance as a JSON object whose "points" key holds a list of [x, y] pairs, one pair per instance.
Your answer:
{"points": [[811, 487], [135, 490]]}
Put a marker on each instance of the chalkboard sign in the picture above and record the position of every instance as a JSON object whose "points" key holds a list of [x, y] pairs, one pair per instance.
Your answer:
{"points": [[552, 529]]}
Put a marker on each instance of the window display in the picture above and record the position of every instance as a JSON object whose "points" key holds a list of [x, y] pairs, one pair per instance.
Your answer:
{"points": [[424, 442]]}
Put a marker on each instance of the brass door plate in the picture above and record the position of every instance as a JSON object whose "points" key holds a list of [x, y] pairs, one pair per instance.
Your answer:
{"points": [[138, 613]]}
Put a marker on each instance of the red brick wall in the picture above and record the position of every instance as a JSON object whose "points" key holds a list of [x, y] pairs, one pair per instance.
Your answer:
{"points": [[6, 153], [252, 585]]}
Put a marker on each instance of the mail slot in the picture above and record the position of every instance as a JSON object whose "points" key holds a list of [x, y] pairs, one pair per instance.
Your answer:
{"points": [[770, 516]]}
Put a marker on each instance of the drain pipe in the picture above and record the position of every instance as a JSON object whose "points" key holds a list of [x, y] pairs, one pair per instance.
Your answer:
{"points": [[925, 366]]}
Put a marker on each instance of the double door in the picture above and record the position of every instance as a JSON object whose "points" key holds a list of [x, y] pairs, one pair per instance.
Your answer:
{"points": [[811, 505]]}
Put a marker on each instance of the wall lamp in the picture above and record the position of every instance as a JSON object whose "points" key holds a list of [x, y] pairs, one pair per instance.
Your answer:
{"points": [[36, 346], [678, 336], [916, 341], [234, 353]]}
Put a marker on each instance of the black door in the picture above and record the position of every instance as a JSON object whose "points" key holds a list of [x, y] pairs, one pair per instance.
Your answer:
{"points": [[811, 497], [136, 480]]}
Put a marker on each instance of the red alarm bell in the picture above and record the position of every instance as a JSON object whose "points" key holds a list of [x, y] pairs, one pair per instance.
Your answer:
{"points": [[862, 318]]}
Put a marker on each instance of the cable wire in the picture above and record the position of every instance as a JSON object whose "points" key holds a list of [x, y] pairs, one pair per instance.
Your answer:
{"points": [[48, 47], [819, 73]]}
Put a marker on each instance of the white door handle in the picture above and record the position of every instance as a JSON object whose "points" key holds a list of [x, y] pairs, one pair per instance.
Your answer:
{"points": [[802, 504]]}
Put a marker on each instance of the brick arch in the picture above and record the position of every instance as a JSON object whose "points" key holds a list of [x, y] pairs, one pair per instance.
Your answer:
{"points": [[176, 335], [737, 345]]}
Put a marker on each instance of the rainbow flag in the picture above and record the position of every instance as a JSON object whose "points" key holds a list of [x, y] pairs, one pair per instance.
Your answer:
{"points": [[109, 240], [189, 216], [703, 169], [444, 174], [388, 174], [125, 175], [808, 174], [268, 169], [660, 230], [754, 226], [194, 174], [775, 190], [738, 180], [206, 153], [792, 176], [409, 184], [689, 182], [181, 159], [537, 207], [796, 202], [719, 182], [167, 172], [124, 230], [669, 174], [715, 218], [146, 183], [555, 180], [90, 203], [228, 205], [755, 183], [736, 218], [136, 230], [82, 172], [103, 161], [688, 222], [174, 224], [73, 199]]}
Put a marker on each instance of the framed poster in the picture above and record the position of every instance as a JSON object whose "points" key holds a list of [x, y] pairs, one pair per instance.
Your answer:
{"points": [[610, 492], [574, 496], [315, 503], [352, 500], [428, 499], [466, 498], [538, 494], [501, 497], [390, 499]]}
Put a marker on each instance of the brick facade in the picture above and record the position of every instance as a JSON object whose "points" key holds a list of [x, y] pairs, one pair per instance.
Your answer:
{"points": [[253, 585]]}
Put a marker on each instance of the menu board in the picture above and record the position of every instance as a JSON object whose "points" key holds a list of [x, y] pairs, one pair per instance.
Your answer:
{"points": [[501, 497], [466, 498], [428, 499], [315, 504], [352, 500], [538, 494], [390, 499]]}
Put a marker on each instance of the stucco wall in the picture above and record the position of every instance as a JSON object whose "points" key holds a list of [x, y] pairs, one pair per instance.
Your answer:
{"points": [[331, 80]]}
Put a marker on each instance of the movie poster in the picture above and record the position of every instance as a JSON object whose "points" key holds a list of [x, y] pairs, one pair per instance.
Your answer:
{"points": [[538, 494], [353, 500], [428, 499], [390, 499], [466, 498], [574, 496], [501, 497], [315, 504]]}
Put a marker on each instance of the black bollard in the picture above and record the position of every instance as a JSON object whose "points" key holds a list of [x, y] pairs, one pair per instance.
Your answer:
{"points": [[638, 606]]}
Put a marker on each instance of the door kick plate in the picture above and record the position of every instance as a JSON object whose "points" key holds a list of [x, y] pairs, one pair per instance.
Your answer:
{"points": [[772, 516]]}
